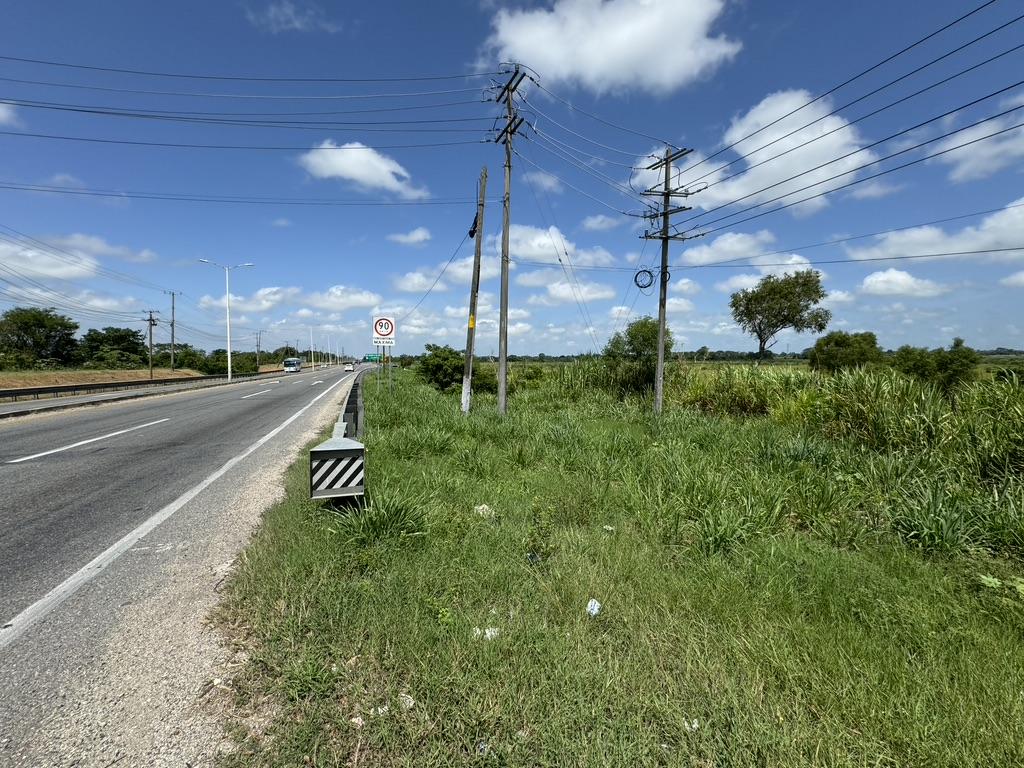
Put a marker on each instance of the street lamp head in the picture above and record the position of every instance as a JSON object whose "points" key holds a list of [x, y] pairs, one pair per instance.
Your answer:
{"points": [[247, 264], [205, 261]]}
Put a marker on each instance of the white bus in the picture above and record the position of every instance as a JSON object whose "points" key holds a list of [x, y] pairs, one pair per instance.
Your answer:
{"points": [[292, 364]]}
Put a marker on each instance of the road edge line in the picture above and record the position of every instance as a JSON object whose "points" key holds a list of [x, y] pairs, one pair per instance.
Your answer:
{"points": [[17, 626]]}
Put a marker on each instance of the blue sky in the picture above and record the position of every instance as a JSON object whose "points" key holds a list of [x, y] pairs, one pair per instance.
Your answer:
{"points": [[703, 74]]}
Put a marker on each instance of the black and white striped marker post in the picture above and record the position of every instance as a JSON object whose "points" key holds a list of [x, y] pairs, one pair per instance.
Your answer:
{"points": [[336, 469]]}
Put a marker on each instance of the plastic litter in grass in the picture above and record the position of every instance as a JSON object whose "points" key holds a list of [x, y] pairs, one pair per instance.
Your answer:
{"points": [[357, 721], [406, 701], [691, 726], [380, 711], [488, 633], [482, 748], [593, 607], [608, 528], [484, 511]]}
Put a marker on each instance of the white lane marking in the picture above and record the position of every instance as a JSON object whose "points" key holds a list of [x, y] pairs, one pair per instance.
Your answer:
{"points": [[316, 382], [86, 442], [13, 629], [246, 397]]}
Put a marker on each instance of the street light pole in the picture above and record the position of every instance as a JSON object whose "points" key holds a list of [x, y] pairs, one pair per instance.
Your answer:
{"points": [[227, 298]]}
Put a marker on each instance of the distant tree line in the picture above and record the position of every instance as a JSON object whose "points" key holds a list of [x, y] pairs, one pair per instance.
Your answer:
{"points": [[35, 338]]}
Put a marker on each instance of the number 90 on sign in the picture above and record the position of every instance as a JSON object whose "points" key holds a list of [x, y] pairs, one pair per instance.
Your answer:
{"points": [[383, 331]]}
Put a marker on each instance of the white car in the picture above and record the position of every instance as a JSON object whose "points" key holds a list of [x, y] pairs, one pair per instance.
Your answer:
{"points": [[349, 367]]}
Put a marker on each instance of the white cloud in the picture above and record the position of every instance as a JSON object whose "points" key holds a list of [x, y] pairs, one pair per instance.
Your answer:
{"points": [[91, 245], [738, 283], [896, 282], [984, 158], [620, 312], [732, 246], [873, 190], [610, 45], [675, 305], [547, 245], [543, 180], [999, 230], [601, 223], [263, 300], [418, 282], [367, 168], [807, 147], [339, 298], [837, 297], [1016, 280], [281, 222], [538, 278], [564, 292], [290, 16], [37, 263], [418, 236], [62, 179], [683, 285], [8, 115]]}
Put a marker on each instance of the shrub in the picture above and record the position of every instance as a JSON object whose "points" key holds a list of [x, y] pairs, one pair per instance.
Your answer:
{"points": [[839, 350], [946, 368], [442, 366]]}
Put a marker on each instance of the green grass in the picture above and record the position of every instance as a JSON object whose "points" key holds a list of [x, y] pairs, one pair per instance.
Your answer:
{"points": [[769, 596]]}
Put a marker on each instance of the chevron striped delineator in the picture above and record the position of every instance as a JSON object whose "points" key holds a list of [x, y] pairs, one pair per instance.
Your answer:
{"points": [[337, 468], [336, 473]]}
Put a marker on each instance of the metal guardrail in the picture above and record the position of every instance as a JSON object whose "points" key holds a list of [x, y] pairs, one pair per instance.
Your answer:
{"points": [[86, 388]]}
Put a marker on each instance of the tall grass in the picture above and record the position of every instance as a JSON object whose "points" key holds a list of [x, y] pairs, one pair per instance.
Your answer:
{"points": [[803, 597]]}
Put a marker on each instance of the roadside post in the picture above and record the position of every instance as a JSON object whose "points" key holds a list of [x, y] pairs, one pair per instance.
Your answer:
{"points": [[384, 339]]}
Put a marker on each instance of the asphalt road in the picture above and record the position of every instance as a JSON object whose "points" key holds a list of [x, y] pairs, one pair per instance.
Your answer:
{"points": [[72, 483]]}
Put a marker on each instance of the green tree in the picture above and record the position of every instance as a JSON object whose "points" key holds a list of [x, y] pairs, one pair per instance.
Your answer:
{"points": [[34, 335], [442, 366], [946, 368], [113, 347], [840, 350], [777, 303], [631, 356]]}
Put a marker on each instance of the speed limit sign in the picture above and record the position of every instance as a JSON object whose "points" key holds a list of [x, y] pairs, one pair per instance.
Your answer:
{"points": [[384, 331]]}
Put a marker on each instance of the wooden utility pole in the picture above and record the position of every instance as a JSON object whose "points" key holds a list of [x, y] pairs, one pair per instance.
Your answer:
{"points": [[173, 294], [513, 122], [666, 194], [478, 233], [151, 321], [258, 350]]}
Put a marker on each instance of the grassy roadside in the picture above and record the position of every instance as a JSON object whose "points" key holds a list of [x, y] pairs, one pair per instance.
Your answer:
{"points": [[754, 611]]}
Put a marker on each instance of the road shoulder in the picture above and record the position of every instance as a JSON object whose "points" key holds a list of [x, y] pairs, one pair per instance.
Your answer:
{"points": [[147, 692]]}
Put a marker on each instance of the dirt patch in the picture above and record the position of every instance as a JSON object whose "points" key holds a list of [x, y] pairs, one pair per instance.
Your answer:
{"points": [[14, 379]]}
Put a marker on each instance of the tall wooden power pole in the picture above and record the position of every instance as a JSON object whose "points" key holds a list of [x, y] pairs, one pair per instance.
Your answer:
{"points": [[151, 321], [666, 194], [512, 124], [173, 294], [477, 233]]}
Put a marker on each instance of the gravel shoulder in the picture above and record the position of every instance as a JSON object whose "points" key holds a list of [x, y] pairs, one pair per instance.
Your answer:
{"points": [[128, 672]]}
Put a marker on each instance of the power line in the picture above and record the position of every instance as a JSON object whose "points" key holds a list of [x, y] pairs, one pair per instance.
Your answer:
{"points": [[845, 125], [199, 198], [533, 107], [873, 144], [248, 79], [729, 263], [436, 279], [169, 116], [574, 187], [171, 145], [808, 246], [866, 178], [608, 181], [265, 96], [846, 82]]}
